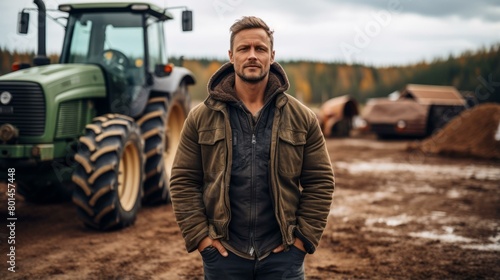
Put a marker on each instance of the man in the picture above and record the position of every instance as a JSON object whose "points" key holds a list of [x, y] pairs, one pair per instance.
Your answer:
{"points": [[252, 181]]}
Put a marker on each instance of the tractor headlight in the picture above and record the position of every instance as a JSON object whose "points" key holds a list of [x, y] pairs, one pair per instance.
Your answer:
{"points": [[8, 132], [5, 97]]}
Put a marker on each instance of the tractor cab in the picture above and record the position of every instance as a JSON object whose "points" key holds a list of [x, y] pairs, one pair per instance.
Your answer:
{"points": [[127, 43]]}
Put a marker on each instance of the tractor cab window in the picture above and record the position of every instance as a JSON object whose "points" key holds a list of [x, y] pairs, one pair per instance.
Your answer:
{"points": [[115, 41], [155, 44], [81, 42]]}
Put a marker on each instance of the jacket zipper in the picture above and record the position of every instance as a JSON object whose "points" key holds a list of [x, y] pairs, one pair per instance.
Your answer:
{"points": [[252, 198], [253, 209]]}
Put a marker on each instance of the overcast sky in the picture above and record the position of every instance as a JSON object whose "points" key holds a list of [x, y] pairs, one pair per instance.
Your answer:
{"points": [[375, 32]]}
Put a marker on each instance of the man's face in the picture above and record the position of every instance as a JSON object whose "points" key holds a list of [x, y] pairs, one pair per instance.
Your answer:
{"points": [[252, 55]]}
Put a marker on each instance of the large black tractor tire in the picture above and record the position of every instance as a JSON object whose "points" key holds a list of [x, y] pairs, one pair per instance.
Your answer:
{"points": [[161, 126], [109, 173]]}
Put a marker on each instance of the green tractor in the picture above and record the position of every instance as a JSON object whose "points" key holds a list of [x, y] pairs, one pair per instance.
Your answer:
{"points": [[103, 125]]}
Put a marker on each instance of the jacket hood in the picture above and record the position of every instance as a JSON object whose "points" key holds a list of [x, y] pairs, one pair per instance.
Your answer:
{"points": [[221, 84]]}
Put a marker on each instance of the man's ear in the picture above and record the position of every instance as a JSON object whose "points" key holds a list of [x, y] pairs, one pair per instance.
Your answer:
{"points": [[272, 56], [231, 58]]}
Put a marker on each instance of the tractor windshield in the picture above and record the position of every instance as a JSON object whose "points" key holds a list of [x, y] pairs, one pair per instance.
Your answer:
{"points": [[114, 40]]}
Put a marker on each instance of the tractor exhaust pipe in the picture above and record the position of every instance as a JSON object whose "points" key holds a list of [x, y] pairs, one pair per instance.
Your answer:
{"points": [[41, 57]]}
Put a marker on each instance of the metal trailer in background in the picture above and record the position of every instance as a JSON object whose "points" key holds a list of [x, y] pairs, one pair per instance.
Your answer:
{"points": [[418, 112], [336, 116]]}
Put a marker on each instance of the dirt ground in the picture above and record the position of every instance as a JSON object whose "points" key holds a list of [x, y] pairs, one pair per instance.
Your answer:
{"points": [[395, 215]]}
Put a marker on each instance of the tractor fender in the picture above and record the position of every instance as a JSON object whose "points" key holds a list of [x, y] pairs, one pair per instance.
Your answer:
{"points": [[171, 83]]}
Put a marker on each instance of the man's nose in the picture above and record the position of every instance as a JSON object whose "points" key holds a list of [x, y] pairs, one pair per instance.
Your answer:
{"points": [[251, 54]]}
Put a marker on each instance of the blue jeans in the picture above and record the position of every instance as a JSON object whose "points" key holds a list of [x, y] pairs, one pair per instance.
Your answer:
{"points": [[283, 265]]}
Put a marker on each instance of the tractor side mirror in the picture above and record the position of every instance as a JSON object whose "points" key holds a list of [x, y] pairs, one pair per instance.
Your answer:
{"points": [[23, 22], [187, 20]]}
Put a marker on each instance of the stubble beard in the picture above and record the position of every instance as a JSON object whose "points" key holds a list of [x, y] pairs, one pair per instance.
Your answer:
{"points": [[253, 79]]}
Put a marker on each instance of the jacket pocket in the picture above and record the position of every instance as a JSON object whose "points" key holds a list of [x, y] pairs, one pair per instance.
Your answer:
{"points": [[291, 151], [213, 151]]}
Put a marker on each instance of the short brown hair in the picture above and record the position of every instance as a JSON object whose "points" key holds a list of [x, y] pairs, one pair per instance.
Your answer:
{"points": [[250, 22]]}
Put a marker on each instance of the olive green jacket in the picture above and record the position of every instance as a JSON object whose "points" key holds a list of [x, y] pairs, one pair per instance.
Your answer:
{"points": [[301, 175]]}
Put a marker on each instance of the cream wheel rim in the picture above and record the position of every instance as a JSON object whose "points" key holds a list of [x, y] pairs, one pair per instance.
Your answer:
{"points": [[129, 177], [175, 121]]}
